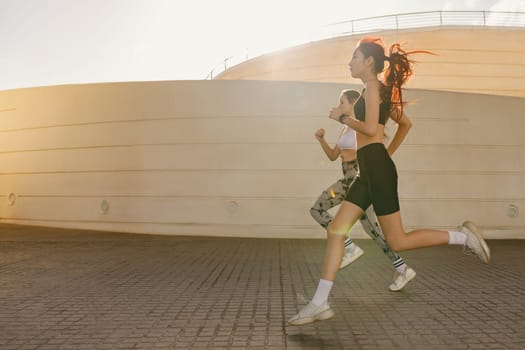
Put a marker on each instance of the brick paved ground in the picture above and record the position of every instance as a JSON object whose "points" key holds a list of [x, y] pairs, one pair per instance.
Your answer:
{"points": [[64, 289]]}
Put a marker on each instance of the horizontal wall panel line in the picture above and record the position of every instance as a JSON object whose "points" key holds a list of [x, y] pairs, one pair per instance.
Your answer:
{"points": [[463, 147], [155, 223], [418, 116], [460, 172], [472, 50], [137, 145], [440, 75], [430, 117], [204, 197], [274, 197], [120, 171], [462, 199], [289, 70], [123, 121], [221, 227], [189, 170], [471, 63], [154, 119], [423, 118], [489, 91], [243, 170], [7, 110], [421, 63]]}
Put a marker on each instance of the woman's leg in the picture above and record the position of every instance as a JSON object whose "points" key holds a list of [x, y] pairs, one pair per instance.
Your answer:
{"points": [[400, 240], [404, 273], [318, 308], [346, 217], [373, 229], [331, 197], [328, 199]]}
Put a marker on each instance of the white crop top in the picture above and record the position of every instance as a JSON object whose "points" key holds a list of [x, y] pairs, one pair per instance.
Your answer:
{"points": [[347, 139]]}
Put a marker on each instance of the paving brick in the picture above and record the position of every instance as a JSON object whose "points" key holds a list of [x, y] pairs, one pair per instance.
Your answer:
{"points": [[70, 289]]}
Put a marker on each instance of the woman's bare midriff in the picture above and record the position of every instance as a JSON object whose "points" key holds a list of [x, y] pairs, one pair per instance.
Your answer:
{"points": [[363, 140], [347, 155]]}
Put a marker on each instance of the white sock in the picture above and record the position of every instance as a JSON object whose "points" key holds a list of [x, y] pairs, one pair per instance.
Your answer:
{"points": [[321, 294], [400, 265], [455, 237]]}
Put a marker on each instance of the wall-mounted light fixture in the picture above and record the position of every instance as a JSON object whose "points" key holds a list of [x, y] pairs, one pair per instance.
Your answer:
{"points": [[11, 199], [104, 207], [513, 211], [232, 207]]}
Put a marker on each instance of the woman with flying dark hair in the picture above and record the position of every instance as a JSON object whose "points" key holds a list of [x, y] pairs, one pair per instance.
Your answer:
{"points": [[377, 181]]}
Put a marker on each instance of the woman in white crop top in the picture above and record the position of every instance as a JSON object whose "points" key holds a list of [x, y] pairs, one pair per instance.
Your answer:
{"points": [[334, 195]]}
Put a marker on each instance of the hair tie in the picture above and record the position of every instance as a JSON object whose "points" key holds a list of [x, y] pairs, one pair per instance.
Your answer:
{"points": [[387, 58]]}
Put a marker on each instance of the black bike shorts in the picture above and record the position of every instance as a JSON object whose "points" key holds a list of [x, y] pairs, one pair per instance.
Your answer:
{"points": [[377, 181]]}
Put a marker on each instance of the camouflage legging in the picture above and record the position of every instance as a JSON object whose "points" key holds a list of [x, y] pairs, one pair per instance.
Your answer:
{"points": [[334, 195]]}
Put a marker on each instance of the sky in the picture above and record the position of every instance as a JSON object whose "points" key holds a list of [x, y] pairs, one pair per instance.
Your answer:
{"points": [[51, 42]]}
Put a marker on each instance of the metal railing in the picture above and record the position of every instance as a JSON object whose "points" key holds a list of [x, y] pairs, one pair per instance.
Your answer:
{"points": [[400, 21]]}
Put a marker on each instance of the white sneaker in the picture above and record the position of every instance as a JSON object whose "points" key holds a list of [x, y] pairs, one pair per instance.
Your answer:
{"points": [[311, 313], [475, 241], [401, 279], [351, 254]]}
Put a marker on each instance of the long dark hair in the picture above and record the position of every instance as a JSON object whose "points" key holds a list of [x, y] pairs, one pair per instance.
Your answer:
{"points": [[398, 71]]}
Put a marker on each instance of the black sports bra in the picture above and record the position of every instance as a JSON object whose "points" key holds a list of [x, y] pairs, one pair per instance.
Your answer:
{"points": [[360, 110]]}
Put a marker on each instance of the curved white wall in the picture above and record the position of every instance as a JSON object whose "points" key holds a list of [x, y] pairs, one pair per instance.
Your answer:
{"points": [[489, 60], [239, 158]]}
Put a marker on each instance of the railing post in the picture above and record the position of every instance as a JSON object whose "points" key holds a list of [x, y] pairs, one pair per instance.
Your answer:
{"points": [[440, 18], [484, 18]]}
